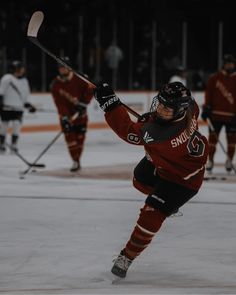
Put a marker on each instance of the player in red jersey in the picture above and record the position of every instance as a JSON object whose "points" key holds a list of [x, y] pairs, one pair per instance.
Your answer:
{"points": [[71, 95], [172, 170], [220, 108]]}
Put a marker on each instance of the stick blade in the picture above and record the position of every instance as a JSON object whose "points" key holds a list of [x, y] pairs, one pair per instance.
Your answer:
{"points": [[35, 23]]}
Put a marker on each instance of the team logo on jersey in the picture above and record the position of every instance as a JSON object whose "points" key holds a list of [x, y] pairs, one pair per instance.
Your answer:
{"points": [[147, 138], [133, 138]]}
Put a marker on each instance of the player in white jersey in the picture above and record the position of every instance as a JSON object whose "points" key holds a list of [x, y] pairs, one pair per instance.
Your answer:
{"points": [[14, 93]]}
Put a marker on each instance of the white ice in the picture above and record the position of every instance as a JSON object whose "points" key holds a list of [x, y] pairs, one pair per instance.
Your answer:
{"points": [[59, 236]]}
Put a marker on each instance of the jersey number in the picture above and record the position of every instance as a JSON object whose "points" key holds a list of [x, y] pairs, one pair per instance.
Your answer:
{"points": [[196, 145]]}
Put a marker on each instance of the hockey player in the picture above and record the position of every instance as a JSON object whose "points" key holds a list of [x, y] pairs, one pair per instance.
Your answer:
{"points": [[220, 108], [14, 94], [172, 170], [72, 95]]}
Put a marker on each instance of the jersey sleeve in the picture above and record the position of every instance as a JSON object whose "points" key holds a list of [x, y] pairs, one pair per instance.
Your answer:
{"points": [[5, 81], [85, 90], [196, 110], [119, 121], [27, 90]]}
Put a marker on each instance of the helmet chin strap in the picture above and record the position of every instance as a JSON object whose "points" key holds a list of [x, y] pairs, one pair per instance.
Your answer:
{"points": [[163, 121]]}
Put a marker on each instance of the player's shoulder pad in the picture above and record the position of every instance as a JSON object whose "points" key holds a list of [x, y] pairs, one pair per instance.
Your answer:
{"points": [[7, 77], [154, 132]]}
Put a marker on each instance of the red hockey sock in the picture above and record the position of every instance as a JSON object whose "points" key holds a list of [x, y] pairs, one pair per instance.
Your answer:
{"points": [[231, 138], [149, 222], [213, 139]]}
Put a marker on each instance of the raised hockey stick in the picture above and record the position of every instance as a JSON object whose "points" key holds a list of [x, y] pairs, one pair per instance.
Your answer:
{"points": [[23, 159], [32, 34], [23, 173], [220, 143]]}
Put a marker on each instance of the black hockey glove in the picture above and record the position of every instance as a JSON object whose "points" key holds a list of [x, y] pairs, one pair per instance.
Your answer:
{"points": [[81, 108], [106, 97], [66, 124], [30, 107], [206, 113]]}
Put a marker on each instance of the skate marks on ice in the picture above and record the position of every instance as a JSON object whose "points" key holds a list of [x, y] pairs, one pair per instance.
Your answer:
{"points": [[220, 175], [116, 171], [137, 282]]}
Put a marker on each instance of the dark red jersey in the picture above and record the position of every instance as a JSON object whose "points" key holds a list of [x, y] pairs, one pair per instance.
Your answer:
{"points": [[67, 93], [177, 156], [220, 94]]}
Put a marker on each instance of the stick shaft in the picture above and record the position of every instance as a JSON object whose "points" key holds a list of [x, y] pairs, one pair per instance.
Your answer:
{"points": [[35, 41]]}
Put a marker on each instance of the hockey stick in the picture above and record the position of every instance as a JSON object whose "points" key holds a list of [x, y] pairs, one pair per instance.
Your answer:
{"points": [[220, 143], [23, 159], [32, 33], [23, 173]]}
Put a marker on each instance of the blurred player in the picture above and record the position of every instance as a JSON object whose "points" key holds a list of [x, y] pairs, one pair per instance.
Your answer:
{"points": [[172, 170], [180, 75], [14, 94], [72, 95], [220, 108]]}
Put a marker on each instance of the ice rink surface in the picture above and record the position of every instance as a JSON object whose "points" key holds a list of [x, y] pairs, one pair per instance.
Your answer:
{"points": [[59, 235]]}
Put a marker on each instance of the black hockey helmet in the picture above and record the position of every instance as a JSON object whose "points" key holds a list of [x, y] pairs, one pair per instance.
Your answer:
{"points": [[16, 65], [229, 58], [66, 59], [175, 96]]}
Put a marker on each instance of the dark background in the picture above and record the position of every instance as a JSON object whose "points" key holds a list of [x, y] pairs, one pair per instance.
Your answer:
{"points": [[61, 27]]}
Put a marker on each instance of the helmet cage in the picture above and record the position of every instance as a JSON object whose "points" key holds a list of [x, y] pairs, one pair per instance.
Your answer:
{"points": [[179, 100]]}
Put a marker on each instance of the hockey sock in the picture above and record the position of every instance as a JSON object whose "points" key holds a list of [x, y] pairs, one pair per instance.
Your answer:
{"points": [[75, 144], [14, 139], [16, 125], [213, 139], [149, 222], [231, 139]]}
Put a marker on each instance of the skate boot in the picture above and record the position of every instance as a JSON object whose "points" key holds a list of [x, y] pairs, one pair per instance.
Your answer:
{"points": [[14, 148], [121, 265], [209, 165], [228, 165], [75, 166]]}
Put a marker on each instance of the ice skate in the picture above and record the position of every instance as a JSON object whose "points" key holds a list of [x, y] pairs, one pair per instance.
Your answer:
{"points": [[14, 148], [209, 166], [75, 166], [228, 165], [121, 265]]}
